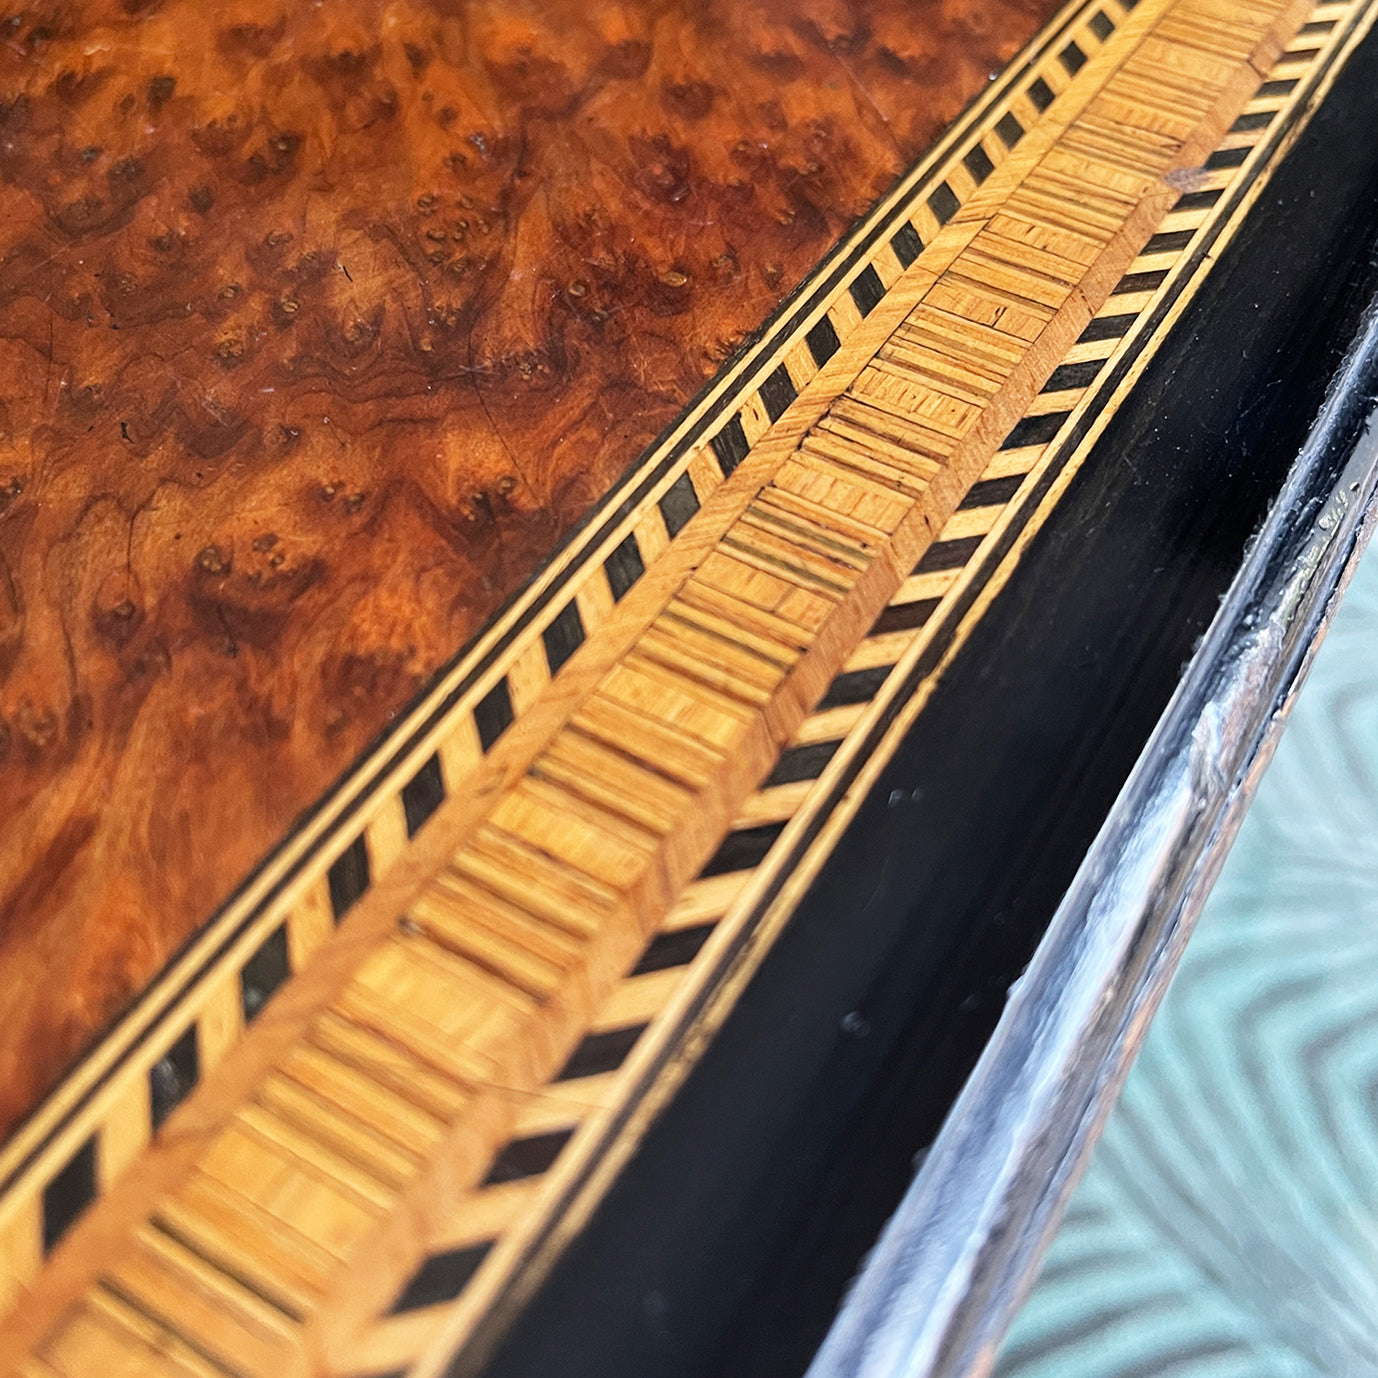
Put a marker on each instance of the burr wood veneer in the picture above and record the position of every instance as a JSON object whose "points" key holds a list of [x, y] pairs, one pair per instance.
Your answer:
{"points": [[319, 327]]}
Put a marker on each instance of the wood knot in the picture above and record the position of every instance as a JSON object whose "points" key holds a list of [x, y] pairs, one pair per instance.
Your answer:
{"points": [[213, 560]]}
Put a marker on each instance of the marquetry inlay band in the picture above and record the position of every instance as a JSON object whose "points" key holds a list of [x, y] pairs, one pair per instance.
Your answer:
{"points": [[397, 1100]]}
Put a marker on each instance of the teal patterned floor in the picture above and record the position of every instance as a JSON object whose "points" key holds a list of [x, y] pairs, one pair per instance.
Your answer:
{"points": [[1228, 1224]]}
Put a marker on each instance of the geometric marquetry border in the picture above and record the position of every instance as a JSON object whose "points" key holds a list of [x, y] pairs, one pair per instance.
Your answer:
{"points": [[787, 829]]}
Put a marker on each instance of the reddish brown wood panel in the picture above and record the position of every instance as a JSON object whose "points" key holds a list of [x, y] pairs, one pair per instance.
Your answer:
{"points": [[319, 326]]}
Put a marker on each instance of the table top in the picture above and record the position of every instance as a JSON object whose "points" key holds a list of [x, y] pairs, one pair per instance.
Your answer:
{"points": [[655, 606], [320, 328]]}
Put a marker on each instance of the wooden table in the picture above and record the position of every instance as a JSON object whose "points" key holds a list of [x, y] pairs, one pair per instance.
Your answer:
{"points": [[486, 494]]}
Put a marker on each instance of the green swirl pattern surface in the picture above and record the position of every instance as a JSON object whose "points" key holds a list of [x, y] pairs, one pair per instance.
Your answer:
{"points": [[1227, 1226]]}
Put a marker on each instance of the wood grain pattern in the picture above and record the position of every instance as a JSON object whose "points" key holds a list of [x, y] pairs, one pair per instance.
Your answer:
{"points": [[525, 902], [318, 328], [94, 1125]]}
